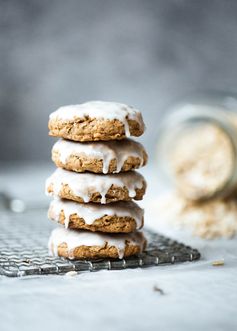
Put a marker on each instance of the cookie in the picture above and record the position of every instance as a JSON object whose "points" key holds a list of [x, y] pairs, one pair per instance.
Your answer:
{"points": [[99, 157], [89, 187], [74, 244], [115, 217], [96, 120]]}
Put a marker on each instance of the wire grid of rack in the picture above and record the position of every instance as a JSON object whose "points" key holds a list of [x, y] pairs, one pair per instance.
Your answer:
{"points": [[23, 250]]}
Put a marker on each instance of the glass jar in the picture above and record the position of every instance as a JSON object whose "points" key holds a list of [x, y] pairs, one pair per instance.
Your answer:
{"points": [[197, 146]]}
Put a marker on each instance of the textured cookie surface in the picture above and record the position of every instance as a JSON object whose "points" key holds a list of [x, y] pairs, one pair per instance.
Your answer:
{"points": [[74, 244], [96, 120], [118, 217], [99, 157], [89, 187]]}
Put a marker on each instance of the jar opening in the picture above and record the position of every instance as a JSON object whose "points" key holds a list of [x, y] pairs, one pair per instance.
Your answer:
{"points": [[199, 152]]}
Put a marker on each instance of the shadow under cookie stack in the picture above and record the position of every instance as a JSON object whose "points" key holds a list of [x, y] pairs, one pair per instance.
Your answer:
{"points": [[95, 181]]}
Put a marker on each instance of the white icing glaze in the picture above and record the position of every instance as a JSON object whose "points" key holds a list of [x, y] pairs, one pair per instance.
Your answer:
{"points": [[91, 211], [85, 184], [105, 151], [75, 239], [100, 110]]}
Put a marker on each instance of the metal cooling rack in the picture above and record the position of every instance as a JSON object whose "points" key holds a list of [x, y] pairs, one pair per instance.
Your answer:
{"points": [[23, 249]]}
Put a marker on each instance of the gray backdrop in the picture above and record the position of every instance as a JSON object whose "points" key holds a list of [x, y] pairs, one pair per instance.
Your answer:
{"points": [[143, 52]]}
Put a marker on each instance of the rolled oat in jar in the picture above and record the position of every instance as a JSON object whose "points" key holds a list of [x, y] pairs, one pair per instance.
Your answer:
{"points": [[198, 149]]}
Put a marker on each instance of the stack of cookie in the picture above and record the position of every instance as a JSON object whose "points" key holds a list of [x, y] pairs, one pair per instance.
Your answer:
{"points": [[94, 183]]}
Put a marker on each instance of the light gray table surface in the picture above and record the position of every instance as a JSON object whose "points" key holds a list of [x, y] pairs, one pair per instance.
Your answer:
{"points": [[196, 295]]}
